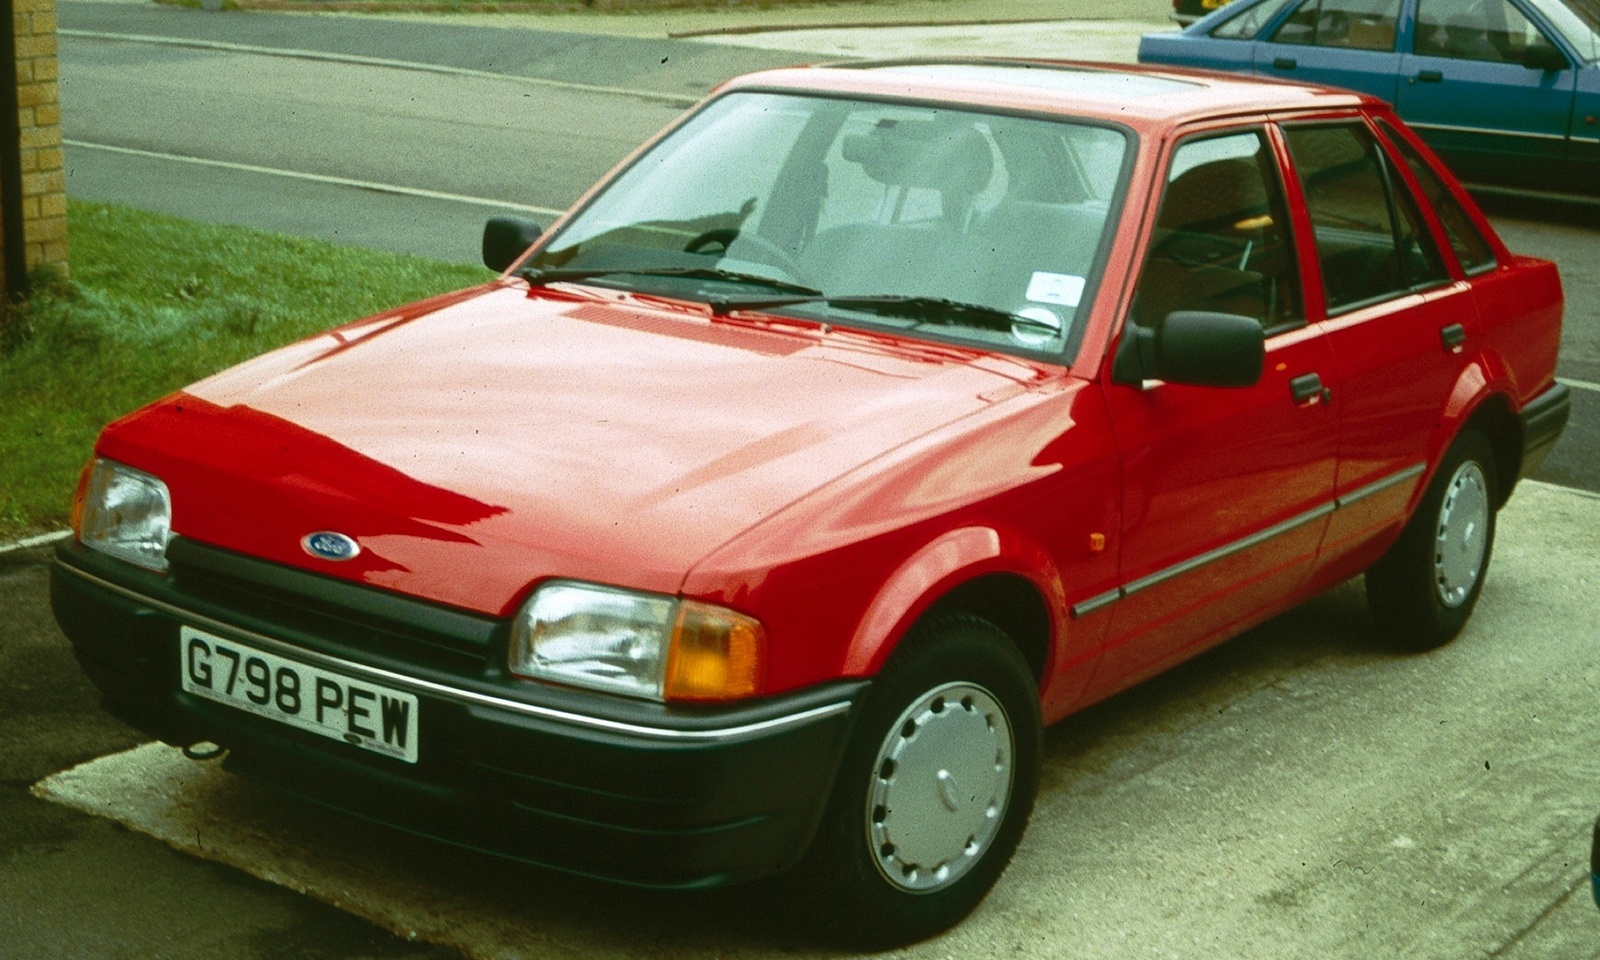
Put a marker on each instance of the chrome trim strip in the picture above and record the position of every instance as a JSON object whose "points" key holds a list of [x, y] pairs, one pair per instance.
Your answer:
{"points": [[1092, 604], [1095, 603], [727, 734], [1228, 549], [1378, 486], [1558, 137]]}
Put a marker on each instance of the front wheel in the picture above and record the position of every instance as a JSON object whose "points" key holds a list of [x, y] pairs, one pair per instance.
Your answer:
{"points": [[1423, 590], [935, 789]]}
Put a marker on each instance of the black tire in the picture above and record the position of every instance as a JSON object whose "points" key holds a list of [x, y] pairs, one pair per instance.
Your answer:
{"points": [[957, 689], [1423, 590]]}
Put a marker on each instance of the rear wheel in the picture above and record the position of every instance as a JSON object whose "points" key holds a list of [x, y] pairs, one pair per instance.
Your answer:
{"points": [[1423, 590], [935, 790]]}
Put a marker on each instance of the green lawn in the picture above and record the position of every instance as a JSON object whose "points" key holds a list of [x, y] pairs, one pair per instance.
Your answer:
{"points": [[155, 303]]}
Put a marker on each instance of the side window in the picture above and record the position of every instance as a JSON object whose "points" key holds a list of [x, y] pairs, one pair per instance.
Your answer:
{"points": [[1371, 241], [1248, 22], [1471, 249], [1491, 30], [1355, 24], [1222, 236]]}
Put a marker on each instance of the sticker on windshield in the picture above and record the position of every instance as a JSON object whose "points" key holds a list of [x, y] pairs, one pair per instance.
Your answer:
{"points": [[1059, 288]]}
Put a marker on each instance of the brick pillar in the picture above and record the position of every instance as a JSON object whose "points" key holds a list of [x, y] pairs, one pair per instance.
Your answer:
{"points": [[44, 183]]}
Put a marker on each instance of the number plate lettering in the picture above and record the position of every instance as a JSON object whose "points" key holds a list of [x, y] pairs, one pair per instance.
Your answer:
{"points": [[366, 715]]}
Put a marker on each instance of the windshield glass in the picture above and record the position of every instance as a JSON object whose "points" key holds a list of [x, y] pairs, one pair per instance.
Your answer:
{"points": [[959, 215], [1578, 21]]}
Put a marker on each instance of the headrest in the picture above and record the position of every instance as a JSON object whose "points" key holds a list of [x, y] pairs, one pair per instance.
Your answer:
{"points": [[933, 154]]}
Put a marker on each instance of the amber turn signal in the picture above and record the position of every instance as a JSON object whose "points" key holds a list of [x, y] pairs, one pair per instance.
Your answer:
{"points": [[78, 498], [716, 654]]}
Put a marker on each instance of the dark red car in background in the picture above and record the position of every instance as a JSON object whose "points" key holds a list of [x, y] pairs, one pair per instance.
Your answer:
{"points": [[867, 420]]}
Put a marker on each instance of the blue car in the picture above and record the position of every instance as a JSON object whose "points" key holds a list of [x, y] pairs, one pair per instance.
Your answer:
{"points": [[1506, 91]]}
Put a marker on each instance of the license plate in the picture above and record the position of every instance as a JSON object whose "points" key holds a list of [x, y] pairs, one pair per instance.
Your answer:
{"points": [[363, 714]]}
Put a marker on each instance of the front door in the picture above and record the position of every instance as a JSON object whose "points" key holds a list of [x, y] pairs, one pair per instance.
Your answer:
{"points": [[1468, 88], [1226, 491]]}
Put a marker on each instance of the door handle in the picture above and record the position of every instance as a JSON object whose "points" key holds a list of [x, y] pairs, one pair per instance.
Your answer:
{"points": [[1308, 388], [1431, 76], [1284, 63], [1453, 337]]}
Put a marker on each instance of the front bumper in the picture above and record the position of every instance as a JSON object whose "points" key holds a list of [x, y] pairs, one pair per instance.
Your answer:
{"points": [[623, 790]]}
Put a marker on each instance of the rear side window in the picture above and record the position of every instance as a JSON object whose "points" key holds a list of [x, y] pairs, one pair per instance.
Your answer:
{"points": [[1371, 240], [1353, 24], [1470, 247], [1249, 22], [1221, 241]]}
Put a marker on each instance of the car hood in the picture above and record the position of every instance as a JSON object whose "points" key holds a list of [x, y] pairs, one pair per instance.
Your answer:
{"points": [[478, 443]]}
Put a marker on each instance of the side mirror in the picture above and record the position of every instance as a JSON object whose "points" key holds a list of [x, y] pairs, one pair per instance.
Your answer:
{"points": [[1193, 347], [1543, 55], [505, 239]]}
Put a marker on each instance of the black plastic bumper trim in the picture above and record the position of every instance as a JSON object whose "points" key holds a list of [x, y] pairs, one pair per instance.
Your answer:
{"points": [[732, 734], [1543, 419]]}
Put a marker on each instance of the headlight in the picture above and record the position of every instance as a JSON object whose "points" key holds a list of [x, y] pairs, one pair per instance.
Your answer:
{"points": [[125, 513], [636, 644]]}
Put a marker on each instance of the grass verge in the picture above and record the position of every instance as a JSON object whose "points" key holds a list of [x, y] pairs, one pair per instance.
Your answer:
{"points": [[155, 303]]}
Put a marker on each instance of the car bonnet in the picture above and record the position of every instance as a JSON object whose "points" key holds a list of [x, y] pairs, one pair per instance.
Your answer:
{"points": [[474, 449]]}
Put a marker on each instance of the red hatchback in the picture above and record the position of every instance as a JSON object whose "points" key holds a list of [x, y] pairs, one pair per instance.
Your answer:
{"points": [[868, 419]]}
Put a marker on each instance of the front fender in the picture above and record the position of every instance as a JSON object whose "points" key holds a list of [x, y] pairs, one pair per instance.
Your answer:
{"points": [[959, 557]]}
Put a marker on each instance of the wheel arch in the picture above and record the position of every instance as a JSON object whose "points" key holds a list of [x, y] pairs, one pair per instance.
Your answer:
{"points": [[1481, 399], [972, 571], [1493, 416]]}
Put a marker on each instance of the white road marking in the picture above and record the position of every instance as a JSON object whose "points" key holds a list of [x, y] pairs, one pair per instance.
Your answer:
{"points": [[320, 178], [1579, 384], [675, 99]]}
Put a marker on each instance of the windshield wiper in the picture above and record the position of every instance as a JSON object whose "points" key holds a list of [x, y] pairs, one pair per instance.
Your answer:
{"points": [[539, 277], [920, 308]]}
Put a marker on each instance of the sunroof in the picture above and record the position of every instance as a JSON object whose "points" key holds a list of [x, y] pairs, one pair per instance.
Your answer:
{"points": [[1098, 84]]}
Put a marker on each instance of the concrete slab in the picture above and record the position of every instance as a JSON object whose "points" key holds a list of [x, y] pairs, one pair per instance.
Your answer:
{"points": [[1296, 793]]}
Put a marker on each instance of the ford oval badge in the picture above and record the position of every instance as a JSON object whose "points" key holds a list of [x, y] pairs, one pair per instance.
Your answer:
{"points": [[327, 545]]}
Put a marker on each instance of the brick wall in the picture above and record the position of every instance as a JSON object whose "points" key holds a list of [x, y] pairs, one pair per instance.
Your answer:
{"points": [[44, 183]]}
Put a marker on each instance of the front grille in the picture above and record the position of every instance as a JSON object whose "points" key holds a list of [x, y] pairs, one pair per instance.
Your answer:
{"points": [[341, 613]]}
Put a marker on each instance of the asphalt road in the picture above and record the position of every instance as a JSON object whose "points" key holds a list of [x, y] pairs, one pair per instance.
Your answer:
{"points": [[1181, 810]]}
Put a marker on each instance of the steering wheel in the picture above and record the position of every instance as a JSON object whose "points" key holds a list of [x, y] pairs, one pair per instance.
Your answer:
{"points": [[752, 246]]}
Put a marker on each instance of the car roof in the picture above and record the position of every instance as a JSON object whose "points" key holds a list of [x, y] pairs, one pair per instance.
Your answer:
{"points": [[1138, 95]]}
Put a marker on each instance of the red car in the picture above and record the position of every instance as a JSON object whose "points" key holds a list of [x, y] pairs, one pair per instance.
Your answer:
{"points": [[868, 419]]}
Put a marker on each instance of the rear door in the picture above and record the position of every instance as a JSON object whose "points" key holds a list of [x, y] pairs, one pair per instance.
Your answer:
{"points": [[1397, 316], [1342, 43]]}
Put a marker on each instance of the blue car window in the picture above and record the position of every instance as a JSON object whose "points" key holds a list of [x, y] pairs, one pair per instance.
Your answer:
{"points": [[1222, 237], [1248, 22], [1578, 21], [1491, 30], [1353, 24], [1371, 241], [1471, 249]]}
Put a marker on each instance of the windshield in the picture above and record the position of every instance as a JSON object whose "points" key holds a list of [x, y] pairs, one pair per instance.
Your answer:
{"points": [[949, 217], [1578, 21]]}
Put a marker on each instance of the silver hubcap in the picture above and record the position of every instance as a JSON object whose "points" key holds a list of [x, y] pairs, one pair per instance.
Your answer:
{"points": [[939, 787], [1463, 535]]}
